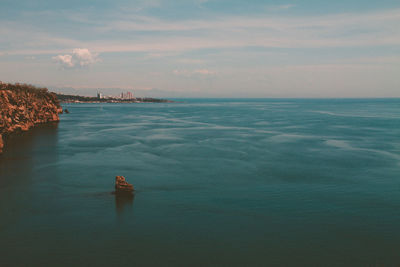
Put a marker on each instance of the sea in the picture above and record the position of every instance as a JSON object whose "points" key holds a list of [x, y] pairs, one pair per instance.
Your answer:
{"points": [[219, 182]]}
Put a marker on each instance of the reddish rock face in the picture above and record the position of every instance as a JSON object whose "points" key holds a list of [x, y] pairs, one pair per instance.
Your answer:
{"points": [[23, 106], [122, 186]]}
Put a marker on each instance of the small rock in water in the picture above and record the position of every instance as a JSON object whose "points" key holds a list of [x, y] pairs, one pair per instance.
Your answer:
{"points": [[122, 186], [66, 111]]}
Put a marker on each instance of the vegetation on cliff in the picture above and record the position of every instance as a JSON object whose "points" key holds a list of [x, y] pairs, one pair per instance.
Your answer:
{"points": [[22, 106]]}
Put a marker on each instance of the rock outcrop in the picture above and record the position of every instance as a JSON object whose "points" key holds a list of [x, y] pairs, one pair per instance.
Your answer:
{"points": [[122, 186], [22, 106]]}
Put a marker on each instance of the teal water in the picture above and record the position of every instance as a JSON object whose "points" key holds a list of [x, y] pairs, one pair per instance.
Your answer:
{"points": [[231, 182]]}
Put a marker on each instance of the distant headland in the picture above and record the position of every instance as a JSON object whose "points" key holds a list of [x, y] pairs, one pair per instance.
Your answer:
{"points": [[110, 99]]}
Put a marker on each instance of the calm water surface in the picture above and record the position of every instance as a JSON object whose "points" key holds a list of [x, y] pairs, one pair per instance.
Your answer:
{"points": [[219, 182]]}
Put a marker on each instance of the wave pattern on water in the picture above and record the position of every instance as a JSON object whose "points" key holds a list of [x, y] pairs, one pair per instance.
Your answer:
{"points": [[228, 182]]}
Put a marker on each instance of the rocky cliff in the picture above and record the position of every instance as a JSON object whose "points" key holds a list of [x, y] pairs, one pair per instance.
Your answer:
{"points": [[22, 106]]}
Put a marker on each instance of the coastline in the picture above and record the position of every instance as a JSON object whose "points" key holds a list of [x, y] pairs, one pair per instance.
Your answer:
{"points": [[23, 106], [86, 99]]}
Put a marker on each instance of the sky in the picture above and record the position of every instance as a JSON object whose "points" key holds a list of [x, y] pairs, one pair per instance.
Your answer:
{"points": [[204, 48]]}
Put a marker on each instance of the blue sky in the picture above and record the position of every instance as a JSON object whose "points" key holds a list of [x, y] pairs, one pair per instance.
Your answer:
{"points": [[209, 48]]}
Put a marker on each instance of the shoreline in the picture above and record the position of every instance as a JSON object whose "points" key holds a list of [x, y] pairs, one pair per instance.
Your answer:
{"points": [[87, 99], [110, 102]]}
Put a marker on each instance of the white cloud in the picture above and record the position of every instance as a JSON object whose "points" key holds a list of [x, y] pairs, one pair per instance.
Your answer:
{"points": [[64, 60], [84, 56], [80, 57]]}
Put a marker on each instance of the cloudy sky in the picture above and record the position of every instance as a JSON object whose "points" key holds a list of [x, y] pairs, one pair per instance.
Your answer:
{"points": [[210, 48]]}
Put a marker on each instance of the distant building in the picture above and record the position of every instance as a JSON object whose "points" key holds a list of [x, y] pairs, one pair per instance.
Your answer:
{"points": [[127, 96], [99, 95]]}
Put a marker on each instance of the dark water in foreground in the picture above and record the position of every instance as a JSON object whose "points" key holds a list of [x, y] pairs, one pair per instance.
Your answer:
{"points": [[219, 182]]}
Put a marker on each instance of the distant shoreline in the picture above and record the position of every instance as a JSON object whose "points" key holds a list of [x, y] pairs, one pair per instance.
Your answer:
{"points": [[87, 99]]}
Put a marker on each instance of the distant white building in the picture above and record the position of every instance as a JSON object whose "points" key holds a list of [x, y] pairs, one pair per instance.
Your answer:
{"points": [[100, 95]]}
